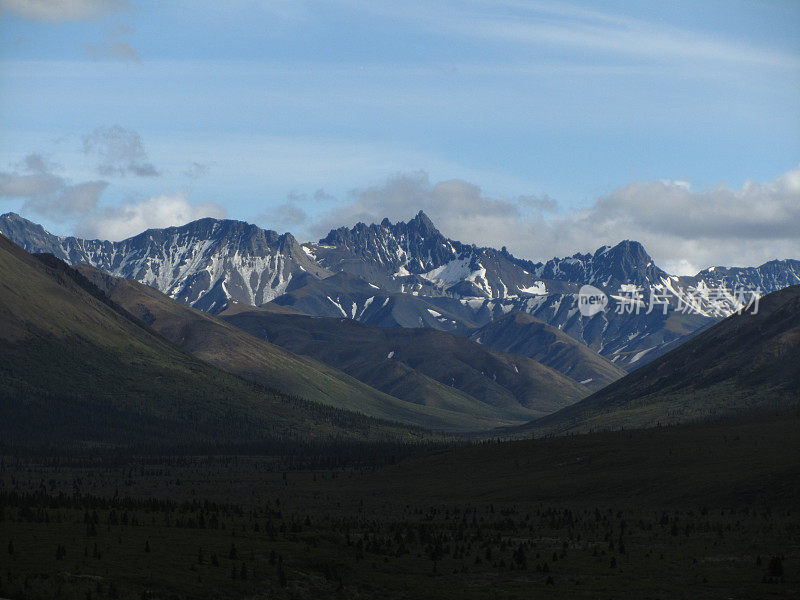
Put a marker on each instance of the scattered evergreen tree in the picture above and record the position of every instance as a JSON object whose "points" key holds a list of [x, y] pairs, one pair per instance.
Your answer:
{"points": [[775, 567]]}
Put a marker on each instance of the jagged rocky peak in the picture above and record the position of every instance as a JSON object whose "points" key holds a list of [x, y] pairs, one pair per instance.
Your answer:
{"points": [[226, 237], [413, 246], [423, 225], [12, 217], [772, 275], [420, 225], [11, 223], [628, 250], [349, 237], [209, 263]]}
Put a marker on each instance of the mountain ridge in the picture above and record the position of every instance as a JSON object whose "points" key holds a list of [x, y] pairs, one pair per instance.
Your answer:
{"points": [[425, 279], [522, 333], [415, 363], [214, 341]]}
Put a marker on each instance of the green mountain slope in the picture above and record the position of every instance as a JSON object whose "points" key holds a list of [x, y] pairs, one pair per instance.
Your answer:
{"points": [[77, 369], [423, 366], [746, 362], [231, 349], [521, 333]]}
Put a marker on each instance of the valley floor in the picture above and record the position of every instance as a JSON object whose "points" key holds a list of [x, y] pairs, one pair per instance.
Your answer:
{"points": [[247, 527]]}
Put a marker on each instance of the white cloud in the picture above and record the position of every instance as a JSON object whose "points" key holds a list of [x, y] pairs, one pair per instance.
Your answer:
{"points": [[37, 163], [120, 222], [48, 195], [15, 185], [60, 10], [543, 203], [455, 204], [118, 49], [683, 229], [70, 201], [293, 214], [562, 25], [286, 215]]}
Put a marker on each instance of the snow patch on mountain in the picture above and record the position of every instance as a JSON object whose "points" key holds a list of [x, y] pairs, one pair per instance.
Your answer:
{"points": [[537, 289], [450, 273]]}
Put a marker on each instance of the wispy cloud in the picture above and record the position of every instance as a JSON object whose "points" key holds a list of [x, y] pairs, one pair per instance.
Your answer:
{"points": [[197, 170], [567, 26], [687, 229], [284, 217], [114, 45], [117, 49], [121, 152], [61, 10]]}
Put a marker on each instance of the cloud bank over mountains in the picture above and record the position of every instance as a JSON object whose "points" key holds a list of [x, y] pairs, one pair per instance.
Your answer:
{"points": [[46, 194], [684, 229], [120, 222], [36, 187]]}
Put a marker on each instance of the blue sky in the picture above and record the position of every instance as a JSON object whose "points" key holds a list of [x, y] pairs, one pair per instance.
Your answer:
{"points": [[302, 115]]}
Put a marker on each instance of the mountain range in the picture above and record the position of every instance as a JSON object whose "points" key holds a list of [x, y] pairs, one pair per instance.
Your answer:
{"points": [[382, 373], [230, 349], [409, 275], [92, 337]]}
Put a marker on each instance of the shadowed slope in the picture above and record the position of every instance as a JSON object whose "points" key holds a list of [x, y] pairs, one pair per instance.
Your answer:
{"points": [[230, 348], [521, 333], [421, 365], [746, 362]]}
